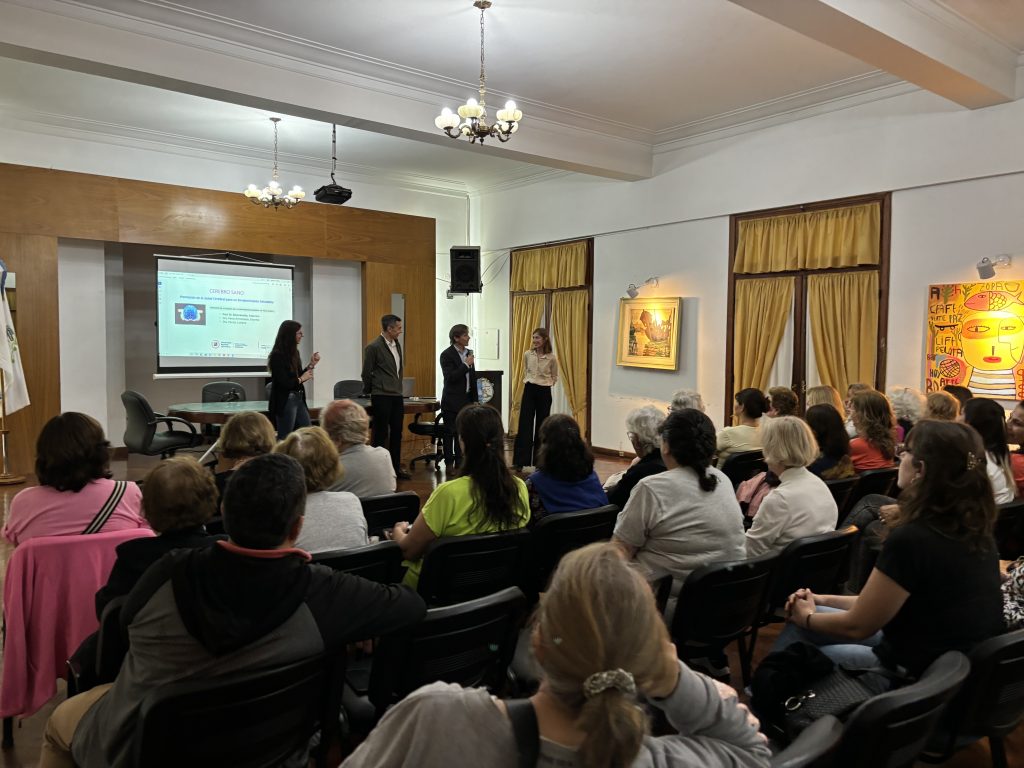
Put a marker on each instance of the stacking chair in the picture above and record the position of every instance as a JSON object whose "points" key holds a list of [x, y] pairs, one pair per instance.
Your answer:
{"points": [[817, 562], [253, 719], [1009, 530], [722, 602], [743, 466], [347, 388], [460, 568], [555, 535], [814, 746], [140, 435], [890, 730], [870, 481], [384, 511], [990, 704], [377, 562], [841, 490]]}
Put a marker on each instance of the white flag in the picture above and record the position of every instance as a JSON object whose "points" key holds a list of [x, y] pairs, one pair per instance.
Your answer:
{"points": [[15, 393]]}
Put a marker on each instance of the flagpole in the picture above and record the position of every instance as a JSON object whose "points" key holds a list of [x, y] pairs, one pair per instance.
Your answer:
{"points": [[6, 478]]}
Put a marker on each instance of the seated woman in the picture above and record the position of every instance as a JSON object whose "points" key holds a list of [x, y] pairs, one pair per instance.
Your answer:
{"points": [[178, 497], [833, 462], [485, 498], [600, 642], [987, 417], [744, 436], [874, 447], [686, 398], [245, 436], [565, 480], [75, 493], [333, 519], [368, 469], [941, 406], [686, 516], [823, 394], [908, 405], [642, 430], [802, 504], [935, 587]]}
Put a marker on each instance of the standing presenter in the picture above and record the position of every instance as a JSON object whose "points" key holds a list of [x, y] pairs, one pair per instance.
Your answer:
{"points": [[541, 368], [382, 381], [287, 404], [456, 364]]}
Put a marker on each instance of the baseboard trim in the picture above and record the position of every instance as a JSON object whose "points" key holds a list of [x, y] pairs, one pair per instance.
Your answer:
{"points": [[614, 453]]}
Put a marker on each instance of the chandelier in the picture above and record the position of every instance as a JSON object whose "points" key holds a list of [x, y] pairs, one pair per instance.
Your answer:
{"points": [[273, 194], [471, 120]]}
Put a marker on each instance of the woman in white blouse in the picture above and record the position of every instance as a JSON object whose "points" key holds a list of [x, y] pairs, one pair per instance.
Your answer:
{"points": [[541, 367]]}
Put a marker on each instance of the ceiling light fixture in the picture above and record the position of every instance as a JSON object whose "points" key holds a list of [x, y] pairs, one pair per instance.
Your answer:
{"points": [[471, 120], [272, 194]]}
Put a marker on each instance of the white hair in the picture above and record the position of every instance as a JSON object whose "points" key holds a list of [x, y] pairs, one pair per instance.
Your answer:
{"points": [[907, 403], [687, 398], [643, 424]]}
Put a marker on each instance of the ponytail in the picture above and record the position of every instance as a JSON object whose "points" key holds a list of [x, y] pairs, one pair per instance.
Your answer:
{"points": [[615, 726], [690, 437]]}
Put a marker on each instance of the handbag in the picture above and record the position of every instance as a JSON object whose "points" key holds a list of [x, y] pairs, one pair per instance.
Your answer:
{"points": [[838, 693]]}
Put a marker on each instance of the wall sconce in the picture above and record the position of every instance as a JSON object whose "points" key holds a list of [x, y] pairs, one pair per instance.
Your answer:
{"points": [[634, 290], [987, 266]]}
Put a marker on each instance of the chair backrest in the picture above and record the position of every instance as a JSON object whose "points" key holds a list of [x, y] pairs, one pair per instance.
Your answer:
{"points": [[222, 392], [389, 508], [254, 719], [460, 568], [890, 730], [841, 490], [555, 535], [813, 747], [817, 562], [112, 642], [870, 481], [722, 601], [378, 562], [140, 421], [1009, 530], [471, 643], [743, 466], [348, 388]]}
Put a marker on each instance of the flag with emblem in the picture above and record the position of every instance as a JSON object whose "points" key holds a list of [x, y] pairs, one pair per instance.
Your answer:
{"points": [[15, 390]]}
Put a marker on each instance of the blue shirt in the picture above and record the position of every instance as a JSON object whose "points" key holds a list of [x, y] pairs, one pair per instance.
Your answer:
{"points": [[560, 496]]}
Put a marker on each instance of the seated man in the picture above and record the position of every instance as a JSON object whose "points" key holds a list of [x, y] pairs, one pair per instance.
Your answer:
{"points": [[367, 469], [240, 604]]}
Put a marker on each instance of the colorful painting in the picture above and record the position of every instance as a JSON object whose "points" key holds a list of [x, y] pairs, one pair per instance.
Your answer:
{"points": [[649, 333], [976, 338]]}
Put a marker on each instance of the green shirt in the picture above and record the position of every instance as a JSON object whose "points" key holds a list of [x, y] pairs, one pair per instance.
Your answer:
{"points": [[451, 511]]}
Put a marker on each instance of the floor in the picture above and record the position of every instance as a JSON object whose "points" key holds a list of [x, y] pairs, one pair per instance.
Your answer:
{"points": [[28, 733]]}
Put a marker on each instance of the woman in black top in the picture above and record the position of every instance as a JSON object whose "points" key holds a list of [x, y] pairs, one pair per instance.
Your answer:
{"points": [[287, 405], [833, 462]]}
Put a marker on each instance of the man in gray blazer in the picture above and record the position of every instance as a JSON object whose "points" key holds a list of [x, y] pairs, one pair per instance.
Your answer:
{"points": [[382, 381]]}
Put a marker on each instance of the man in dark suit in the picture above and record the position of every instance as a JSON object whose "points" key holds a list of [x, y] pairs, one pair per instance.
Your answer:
{"points": [[456, 364], [382, 381]]}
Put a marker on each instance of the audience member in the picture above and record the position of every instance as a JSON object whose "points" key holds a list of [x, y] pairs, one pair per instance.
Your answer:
{"points": [[75, 493], [962, 394], [823, 394], [244, 604], [852, 390], [565, 480], [333, 519], [935, 586], [744, 436], [802, 504], [874, 447], [686, 516], [782, 401], [1015, 435], [642, 429], [686, 398], [600, 643], [245, 436], [368, 470], [908, 405], [485, 498], [941, 406], [988, 418], [833, 462]]}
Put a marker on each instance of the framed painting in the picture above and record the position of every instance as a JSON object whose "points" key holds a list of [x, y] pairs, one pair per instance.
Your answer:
{"points": [[649, 333]]}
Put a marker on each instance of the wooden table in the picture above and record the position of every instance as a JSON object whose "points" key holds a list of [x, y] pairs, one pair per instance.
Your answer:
{"points": [[218, 413]]}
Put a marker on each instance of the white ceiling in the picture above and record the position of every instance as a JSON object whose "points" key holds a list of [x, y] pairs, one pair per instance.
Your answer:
{"points": [[643, 71]]}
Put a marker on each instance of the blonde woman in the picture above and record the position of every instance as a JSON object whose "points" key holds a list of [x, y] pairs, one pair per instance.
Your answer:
{"points": [[802, 504], [333, 519], [366, 469], [600, 643], [823, 394], [246, 435], [941, 406]]}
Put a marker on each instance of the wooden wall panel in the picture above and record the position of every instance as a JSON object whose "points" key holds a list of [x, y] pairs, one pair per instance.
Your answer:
{"points": [[38, 201], [33, 258], [358, 235]]}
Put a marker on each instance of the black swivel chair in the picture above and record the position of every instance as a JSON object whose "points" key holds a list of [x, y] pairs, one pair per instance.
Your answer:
{"points": [[384, 511], [348, 388], [743, 466], [377, 562], [435, 430], [140, 435], [220, 392], [460, 568]]}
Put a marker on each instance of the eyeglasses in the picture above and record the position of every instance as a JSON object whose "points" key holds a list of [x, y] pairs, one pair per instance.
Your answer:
{"points": [[901, 450]]}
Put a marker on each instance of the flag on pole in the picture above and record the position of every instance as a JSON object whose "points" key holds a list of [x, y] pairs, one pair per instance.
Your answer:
{"points": [[15, 394]]}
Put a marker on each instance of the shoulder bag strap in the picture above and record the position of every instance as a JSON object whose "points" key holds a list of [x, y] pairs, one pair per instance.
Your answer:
{"points": [[524, 725], [108, 508]]}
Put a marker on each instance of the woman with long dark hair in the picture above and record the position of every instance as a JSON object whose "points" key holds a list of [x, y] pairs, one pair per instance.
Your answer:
{"points": [[874, 447], [833, 460], [987, 418], [541, 374], [565, 480], [287, 406], [485, 498]]}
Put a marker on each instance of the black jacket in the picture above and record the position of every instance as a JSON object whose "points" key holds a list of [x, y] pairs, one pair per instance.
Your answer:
{"points": [[454, 395], [285, 380], [651, 464]]}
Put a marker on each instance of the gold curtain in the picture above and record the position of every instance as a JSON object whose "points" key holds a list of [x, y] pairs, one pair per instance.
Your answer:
{"points": [[761, 310], [527, 314], [569, 329], [828, 239], [558, 266], [844, 326]]}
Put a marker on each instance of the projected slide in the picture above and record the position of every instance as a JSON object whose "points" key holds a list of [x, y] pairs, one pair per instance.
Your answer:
{"points": [[217, 315]]}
